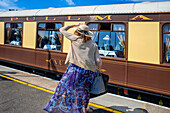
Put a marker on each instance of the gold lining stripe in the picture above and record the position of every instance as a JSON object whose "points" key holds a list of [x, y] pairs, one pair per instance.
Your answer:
{"points": [[52, 92]]}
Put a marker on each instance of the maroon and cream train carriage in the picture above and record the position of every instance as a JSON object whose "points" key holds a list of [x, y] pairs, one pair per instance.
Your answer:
{"points": [[133, 41]]}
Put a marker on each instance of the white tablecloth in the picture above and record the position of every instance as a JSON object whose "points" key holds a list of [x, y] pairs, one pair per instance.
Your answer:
{"points": [[51, 47], [14, 43], [105, 53]]}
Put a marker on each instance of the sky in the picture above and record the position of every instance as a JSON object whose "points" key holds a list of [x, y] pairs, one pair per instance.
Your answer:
{"points": [[5, 5]]}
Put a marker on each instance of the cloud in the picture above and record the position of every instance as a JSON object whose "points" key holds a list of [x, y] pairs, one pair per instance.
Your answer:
{"points": [[70, 2], [5, 5]]}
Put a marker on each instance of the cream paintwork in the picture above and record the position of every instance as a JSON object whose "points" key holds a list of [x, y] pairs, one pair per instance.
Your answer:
{"points": [[143, 42], [2, 32], [29, 34]]}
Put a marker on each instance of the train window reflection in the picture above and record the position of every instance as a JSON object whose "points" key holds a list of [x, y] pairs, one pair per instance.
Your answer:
{"points": [[42, 26], [111, 42], [167, 28], [118, 27], [13, 34], [58, 26], [166, 43], [93, 26], [49, 36]]}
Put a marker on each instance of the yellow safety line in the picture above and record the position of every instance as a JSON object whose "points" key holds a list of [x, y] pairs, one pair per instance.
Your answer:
{"points": [[91, 104], [27, 84]]}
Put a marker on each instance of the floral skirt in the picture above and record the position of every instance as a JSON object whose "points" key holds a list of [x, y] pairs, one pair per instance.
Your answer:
{"points": [[72, 92]]}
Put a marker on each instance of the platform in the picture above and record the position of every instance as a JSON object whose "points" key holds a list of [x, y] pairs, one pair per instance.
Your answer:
{"points": [[107, 102]]}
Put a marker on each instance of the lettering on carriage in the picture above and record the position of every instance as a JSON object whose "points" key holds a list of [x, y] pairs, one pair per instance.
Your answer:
{"points": [[141, 17], [102, 18], [69, 18], [14, 18], [30, 18], [47, 18], [56, 62]]}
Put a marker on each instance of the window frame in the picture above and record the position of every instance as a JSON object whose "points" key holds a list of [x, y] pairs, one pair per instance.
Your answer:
{"points": [[126, 38], [11, 28], [44, 29]]}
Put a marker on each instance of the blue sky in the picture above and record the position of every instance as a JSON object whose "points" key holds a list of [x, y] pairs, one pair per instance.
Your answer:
{"points": [[42, 4]]}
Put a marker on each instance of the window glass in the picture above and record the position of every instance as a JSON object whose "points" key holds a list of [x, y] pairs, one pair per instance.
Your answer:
{"points": [[42, 25], [166, 44], [167, 28], [8, 25], [58, 26], [93, 26], [118, 27], [50, 37], [13, 34], [110, 43], [96, 36], [19, 25], [118, 43], [104, 40]]}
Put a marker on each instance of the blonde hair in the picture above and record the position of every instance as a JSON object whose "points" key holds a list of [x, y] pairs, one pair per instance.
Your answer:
{"points": [[85, 38]]}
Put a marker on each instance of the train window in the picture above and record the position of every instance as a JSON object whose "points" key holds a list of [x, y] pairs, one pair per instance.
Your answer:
{"points": [[118, 27], [110, 40], [13, 34], [49, 36], [58, 26], [166, 43], [93, 26], [42, 26]]}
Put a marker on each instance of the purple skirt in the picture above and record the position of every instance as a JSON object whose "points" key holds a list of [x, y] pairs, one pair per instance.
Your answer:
{"points": [[72, 92]]}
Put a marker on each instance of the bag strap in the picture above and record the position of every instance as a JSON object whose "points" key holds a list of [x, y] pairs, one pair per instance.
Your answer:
{"points": [[98, 73]]}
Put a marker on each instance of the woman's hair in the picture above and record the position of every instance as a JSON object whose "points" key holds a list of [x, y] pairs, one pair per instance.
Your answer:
{"points": [[85, 38]]}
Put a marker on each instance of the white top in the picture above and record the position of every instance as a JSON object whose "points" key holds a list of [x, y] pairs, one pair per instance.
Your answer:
{"points": [[145, 7], [82, 54]]}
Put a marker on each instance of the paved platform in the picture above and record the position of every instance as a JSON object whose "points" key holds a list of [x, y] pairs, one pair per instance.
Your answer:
{"points": [[19, 98], [108, 101]]}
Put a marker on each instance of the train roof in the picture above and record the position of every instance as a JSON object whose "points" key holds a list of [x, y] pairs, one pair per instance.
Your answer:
{"points": [[145, 7]]}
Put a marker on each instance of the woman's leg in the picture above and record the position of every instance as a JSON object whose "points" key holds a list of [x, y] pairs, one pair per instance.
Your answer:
{"points": [[84, 110]]}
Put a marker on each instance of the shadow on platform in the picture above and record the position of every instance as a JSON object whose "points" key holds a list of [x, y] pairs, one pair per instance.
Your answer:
{"points": [[122, 109], [7, 72], [15, 73]]}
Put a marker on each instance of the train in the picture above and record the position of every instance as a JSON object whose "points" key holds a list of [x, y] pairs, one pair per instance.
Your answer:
{"points": [[133, 41]]}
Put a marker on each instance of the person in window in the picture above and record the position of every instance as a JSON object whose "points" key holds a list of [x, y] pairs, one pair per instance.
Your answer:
{"points": [[39, 42], [72, 93], [167, 50], [120, 46]]}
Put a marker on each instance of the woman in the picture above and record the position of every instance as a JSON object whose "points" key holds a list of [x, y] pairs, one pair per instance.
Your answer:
{"points": [[72, 93]]}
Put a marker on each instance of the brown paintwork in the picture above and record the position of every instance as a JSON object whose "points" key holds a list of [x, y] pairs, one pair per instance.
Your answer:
{"points": [[150, 77]]}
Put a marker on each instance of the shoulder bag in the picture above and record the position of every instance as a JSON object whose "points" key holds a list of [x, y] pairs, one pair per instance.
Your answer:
{"points": [[98, 86]]}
